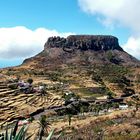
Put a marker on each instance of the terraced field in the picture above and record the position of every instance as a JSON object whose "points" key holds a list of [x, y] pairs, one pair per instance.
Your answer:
{"points": [[14, 104]]}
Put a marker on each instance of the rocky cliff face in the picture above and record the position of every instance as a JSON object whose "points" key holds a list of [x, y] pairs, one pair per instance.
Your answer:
{"points": [[82, 50], [84, 42]]}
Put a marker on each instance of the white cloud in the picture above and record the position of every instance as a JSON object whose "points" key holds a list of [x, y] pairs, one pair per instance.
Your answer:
{"points": [[133, 46], [117, 12], [21, 42], [126, 12]]}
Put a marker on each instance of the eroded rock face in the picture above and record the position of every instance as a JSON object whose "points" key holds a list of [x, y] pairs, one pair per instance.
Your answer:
{"points": [[84, 42], [81, 50]]}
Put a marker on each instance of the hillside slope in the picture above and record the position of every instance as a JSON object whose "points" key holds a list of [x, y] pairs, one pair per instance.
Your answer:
{"points": [[93, 68], [85, 60], [82, 50]]}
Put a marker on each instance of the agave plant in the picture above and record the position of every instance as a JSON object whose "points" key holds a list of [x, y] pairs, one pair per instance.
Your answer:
{"points": [[51, 134], [44, 126], [21, 134], [14, 135]]}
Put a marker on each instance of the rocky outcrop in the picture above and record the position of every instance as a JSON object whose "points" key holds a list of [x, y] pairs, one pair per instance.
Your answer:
{"points": [[84, 42], [81, 50]]}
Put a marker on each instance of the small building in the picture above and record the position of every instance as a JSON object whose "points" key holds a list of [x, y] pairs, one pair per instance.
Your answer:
{"points": [[102, 98], [123, 106]]}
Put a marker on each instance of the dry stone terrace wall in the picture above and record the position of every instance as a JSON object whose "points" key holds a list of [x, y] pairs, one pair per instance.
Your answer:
{"points": [[84, 42], [15, 104]]}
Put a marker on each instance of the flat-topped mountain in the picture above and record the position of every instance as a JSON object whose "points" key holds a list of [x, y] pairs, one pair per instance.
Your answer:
{"points": [[85, 42], [88, 73], [82, 50]]}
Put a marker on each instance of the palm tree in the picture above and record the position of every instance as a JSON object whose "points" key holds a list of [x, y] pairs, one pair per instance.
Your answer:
{"points": [[43, 92], [91, 107], [82, 110], [44, 126], [109, 94], [69, 118], [107, 106], [97, 109], [15, 134], [30, 81]]}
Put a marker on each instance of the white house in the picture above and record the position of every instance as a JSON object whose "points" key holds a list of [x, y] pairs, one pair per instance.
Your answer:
{"points": [[123, 107]]}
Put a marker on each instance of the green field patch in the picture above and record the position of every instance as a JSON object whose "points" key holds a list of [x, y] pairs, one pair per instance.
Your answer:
{"points": [[90, 91]]}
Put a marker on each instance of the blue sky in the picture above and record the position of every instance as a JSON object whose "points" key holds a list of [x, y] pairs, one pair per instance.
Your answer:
{"points": [[25, 25]]}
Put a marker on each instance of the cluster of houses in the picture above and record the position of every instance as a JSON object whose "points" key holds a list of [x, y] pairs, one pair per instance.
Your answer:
{"points": [[99, 100], [27, 87]]}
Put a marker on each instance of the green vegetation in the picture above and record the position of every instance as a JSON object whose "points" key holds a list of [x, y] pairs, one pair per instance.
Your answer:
{"points": [[69, 96], [113, 73], [13, 86], [110, 73], [55, 76], [96, 77], [30, 81], [44, 126], [110, 55], [97, 92], [15, 134], [113, 58], [69, 118], [21, 134]]}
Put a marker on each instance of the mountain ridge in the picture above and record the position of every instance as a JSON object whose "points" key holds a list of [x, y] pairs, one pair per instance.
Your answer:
{"points": [[85, 42], [79, 49]]}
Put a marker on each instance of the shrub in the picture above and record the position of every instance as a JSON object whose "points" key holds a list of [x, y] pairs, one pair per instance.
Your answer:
{"points": [[30, 81], [96, 78], [15, 134], [110, 55], [13, 86]]}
